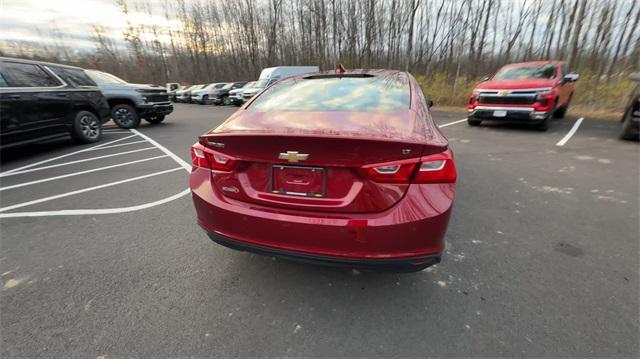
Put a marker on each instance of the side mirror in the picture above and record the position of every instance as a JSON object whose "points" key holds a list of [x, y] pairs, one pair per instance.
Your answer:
{"points": [[429, 103], [572, 77], [486, 78]]}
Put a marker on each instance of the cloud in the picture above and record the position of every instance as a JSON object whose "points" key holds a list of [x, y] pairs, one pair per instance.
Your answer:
{"points": [[71, 22]]}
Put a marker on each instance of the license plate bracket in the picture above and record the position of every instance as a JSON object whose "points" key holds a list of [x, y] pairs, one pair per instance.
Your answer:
{"points": [[299, 181], [499, 113]]}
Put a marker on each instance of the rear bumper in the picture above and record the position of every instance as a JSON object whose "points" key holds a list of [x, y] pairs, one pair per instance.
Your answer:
{"points": [[410, 234], [528, 114], [155, 109], [403, 265]]}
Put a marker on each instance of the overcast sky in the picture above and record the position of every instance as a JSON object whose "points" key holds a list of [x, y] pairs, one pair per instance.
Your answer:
{"points": [[71, 22], [39, 20]]}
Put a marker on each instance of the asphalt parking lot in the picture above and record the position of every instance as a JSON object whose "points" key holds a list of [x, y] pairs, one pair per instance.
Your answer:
{"points": [[101, 256]]}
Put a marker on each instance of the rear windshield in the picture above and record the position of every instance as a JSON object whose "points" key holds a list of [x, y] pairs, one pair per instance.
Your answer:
{"points": [[354, 94], [526, 72]]}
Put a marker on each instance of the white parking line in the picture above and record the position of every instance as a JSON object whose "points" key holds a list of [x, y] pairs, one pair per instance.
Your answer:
{"points": [[571, 132], [118, 145], [452, 123], [82, 212], [62, 156], [88, 189], [77, 212], [79, 173], [182, 162], [11, 173]]}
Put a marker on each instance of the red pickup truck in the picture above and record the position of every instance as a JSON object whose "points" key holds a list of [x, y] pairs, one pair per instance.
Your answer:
{"points": [[531, 92]]}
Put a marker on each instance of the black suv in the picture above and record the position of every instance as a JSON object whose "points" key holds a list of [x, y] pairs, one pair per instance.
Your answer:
{"points": [[631, 118], [41, 101]]}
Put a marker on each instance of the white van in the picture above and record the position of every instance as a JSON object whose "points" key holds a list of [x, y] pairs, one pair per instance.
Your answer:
{"points": [[273, 74]]}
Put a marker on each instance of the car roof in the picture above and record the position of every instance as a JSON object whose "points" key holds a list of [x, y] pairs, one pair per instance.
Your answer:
{"points": [[36, 62]]}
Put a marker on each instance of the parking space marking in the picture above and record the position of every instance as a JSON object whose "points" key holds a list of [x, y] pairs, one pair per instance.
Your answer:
{"points": [[8, 173], [84, 212], [79, 173], [452, 123], [182, 162], [76, 212], [5, 173], [571, 132], [67, 194], [118, 145]]}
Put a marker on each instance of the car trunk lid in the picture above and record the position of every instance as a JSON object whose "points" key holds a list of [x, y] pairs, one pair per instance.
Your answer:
{"points": [[313, 161]]}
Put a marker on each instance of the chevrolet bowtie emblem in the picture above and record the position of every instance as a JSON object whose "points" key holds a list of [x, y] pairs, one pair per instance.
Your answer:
{"points": [[503, 93], [293, 156]]}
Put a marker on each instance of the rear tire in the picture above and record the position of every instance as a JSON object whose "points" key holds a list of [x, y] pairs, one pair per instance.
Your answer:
{"points": [[205, 100], [473, 121], [226, 101], [155, 119], [87, 128], [628, 132], [125, 116]]}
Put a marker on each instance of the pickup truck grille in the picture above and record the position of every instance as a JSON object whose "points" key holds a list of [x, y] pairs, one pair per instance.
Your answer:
{"points": [[157, 97], [507, 100]]}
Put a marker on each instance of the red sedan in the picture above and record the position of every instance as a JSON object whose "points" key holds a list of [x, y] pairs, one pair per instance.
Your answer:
{"points": [[343, 168]]}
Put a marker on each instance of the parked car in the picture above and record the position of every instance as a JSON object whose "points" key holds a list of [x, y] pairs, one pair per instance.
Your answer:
{"points": [[203, 94], [131, 102], [235, 96], [531, 92], [631, 118], [42, 101], [221, 96], [342, 168], [184, 95], [272, 74], [172, 88]]}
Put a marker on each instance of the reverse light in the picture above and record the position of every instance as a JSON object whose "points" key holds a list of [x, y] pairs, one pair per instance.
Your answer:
{"points": [[387, 169], [204, 157]]}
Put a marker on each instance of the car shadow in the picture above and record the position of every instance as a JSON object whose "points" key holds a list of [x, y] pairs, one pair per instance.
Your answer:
{"points": [[25, 152], [555, 124], [301, 273]]}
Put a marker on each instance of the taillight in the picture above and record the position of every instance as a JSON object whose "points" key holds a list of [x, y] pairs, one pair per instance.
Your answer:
{"points": [[437, 168], [204, 157], [393, 172]]}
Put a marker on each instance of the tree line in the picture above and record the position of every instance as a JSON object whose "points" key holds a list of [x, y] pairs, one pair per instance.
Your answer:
{"points": [[455, 41]]}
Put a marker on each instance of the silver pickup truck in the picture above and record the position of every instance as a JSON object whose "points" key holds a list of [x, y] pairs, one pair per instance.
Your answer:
{"points": [[130, 103]]}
